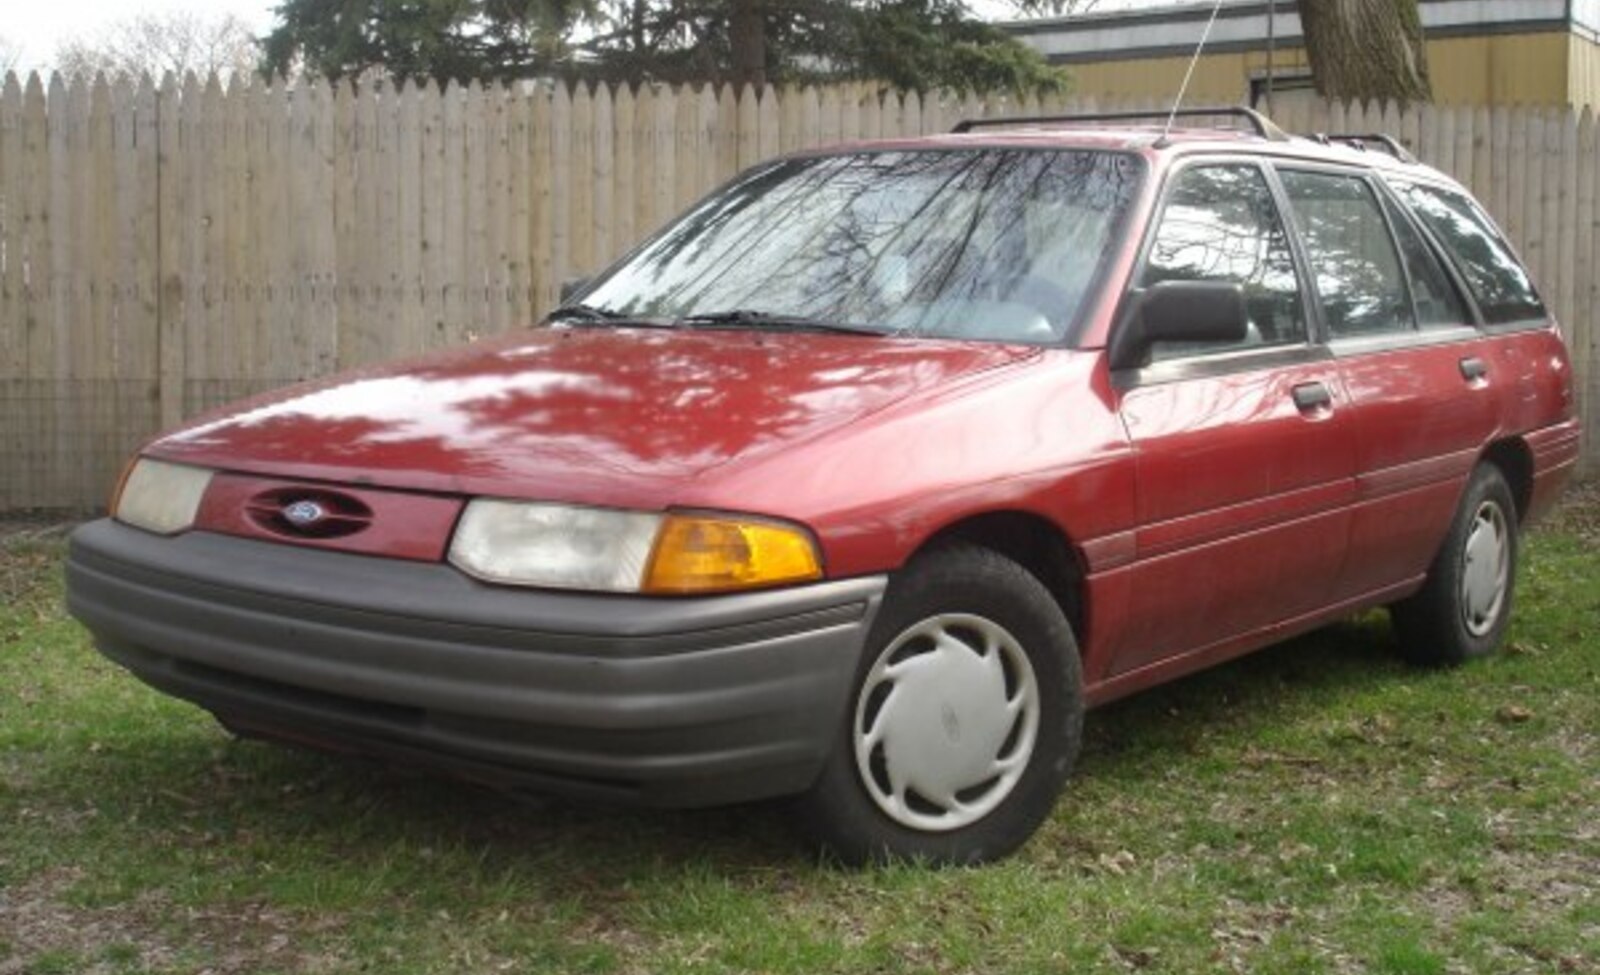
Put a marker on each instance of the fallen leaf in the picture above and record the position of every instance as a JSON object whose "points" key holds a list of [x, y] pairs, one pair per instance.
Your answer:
{"points": [[1117, 863]]}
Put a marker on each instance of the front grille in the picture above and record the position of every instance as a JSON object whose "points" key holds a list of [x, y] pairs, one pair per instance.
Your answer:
{"points": [[334, 514]]}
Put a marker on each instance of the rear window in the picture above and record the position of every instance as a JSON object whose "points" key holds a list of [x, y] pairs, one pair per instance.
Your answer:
{"points": [[1502, 288]]}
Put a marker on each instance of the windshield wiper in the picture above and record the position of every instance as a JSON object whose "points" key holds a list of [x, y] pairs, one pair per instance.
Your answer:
{"points": [[581, 314], [751, 318]]}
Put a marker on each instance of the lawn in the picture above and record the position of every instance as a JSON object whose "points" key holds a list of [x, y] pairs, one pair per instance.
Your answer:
{"points": [[1318, 807]]}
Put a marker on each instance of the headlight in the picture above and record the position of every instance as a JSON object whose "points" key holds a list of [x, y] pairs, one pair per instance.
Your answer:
{"points": [[557, 545], [570, 547], [161, 497]]}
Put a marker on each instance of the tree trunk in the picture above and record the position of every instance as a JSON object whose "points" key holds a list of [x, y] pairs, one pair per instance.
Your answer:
{"points": [[1366, 49], [747, 36], [636, 29]]}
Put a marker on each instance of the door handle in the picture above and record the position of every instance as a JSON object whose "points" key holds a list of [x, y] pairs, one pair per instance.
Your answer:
{"points": [[1473, 369], [1309, 397]]}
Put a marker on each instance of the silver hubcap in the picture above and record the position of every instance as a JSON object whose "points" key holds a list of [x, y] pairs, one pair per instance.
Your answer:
{"points": [[1485, 570], [946, 722]]}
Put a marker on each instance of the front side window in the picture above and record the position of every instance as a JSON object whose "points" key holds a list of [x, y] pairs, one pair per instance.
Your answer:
{"points": [[1220, 224], [1000, 245], [1359, 280], [1501, 287]]}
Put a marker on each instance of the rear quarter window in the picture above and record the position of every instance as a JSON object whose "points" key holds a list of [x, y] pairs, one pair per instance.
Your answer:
{"points": [[1501, 287]]}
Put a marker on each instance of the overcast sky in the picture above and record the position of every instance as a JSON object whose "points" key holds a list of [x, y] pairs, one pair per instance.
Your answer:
{"points": [[37, 26]]}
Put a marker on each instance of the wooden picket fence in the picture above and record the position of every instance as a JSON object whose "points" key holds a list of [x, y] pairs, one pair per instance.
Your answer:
{"points": [[166, 248]]}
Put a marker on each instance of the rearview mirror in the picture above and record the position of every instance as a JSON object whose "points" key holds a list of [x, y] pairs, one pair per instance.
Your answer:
{"points": [[1179, 311]]}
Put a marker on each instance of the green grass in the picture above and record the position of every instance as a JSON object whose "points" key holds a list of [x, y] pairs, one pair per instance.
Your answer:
{"points": [[1318, 807]]}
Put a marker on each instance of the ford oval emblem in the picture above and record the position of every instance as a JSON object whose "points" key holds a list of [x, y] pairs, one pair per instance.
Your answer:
{"points": [[304, 513]]}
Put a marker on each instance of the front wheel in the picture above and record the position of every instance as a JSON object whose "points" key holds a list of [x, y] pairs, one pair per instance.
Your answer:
{"points": [[964, 721], [1462, 610]]}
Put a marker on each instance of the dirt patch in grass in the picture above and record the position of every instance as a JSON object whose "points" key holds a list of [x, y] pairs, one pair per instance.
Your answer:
{"points": [[40, 919], [1578, 514], [30, 553]]}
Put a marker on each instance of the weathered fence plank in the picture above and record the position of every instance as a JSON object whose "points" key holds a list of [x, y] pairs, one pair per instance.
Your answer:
{"points": [[1582, 330]]}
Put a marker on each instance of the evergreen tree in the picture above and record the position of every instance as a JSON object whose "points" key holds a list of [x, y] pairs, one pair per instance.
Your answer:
{"points": [[921, 44]]}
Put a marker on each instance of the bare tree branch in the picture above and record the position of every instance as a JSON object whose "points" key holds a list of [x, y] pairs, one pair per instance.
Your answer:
{"points": [[1054, 8], [155, 43], [10, 54]]}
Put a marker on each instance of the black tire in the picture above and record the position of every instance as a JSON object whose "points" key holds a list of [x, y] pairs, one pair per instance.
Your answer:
{"points": [[1439, 626], [944, 587]]}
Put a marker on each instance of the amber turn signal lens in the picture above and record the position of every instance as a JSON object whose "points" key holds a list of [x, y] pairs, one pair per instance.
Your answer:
{"points": [[701, 553]]}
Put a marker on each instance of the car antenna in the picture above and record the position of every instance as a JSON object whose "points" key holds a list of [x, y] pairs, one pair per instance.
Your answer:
{"points": [[1183, 88]]}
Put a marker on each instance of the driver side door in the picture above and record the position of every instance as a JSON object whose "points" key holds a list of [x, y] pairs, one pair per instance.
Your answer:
{"points": [[1244, 458]]}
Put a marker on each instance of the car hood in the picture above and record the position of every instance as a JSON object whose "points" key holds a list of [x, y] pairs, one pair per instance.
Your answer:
{"points": [[597, 415]]}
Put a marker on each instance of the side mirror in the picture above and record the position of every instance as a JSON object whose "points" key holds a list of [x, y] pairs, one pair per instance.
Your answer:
{"points": [[1179, 311], [572, 286]]}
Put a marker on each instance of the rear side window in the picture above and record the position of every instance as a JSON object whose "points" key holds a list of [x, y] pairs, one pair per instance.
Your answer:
{"points": [[1502, 288], [1220, 224], [1439, 305], [1357, 269]]}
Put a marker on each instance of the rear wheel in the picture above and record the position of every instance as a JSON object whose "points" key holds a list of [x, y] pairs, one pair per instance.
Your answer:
{"points": [[965, 718], [1462, 610]]}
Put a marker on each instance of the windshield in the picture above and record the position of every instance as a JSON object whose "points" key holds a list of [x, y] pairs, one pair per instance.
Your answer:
{"points": [[997, 244]]}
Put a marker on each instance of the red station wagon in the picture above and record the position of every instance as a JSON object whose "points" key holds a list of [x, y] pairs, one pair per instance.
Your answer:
{"points": [[862, 480]]}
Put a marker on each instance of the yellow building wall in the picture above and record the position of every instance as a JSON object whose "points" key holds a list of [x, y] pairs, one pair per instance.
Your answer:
{"points": [[1583, 76], [1500, 69], [1218, 78], [1489, 70]]}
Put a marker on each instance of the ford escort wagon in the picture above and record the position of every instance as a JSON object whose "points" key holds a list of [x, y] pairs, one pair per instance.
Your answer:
{"points": [[862, 480]]}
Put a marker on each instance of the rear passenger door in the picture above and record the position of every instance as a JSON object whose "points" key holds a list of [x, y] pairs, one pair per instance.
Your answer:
{"points": [[1243, 453], [1508, 307], [1412, 360]]}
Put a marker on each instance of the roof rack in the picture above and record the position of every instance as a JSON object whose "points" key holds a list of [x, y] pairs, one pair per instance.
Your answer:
{"points": [[1262, 125], [1368, 140]]}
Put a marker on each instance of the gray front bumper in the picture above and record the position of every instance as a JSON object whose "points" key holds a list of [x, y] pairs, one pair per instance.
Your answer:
{"points": [[694, 701]]}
